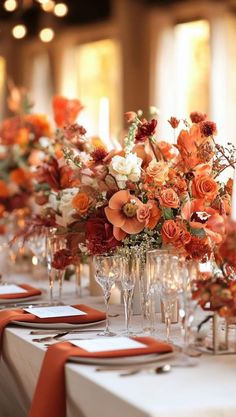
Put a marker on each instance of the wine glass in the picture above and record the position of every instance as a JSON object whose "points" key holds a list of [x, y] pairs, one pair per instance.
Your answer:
{"points": [[107, 271], [54, 243], [130, 272], [170, 285]]}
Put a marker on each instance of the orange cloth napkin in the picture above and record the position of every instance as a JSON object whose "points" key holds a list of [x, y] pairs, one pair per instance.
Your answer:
{"points": [[31, 291], [50, 395], [7, 316]]}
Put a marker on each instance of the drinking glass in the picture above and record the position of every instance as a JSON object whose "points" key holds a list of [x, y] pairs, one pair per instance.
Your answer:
{"points": [[170, 285], [108, 269], [54, 243], [130, 272]]}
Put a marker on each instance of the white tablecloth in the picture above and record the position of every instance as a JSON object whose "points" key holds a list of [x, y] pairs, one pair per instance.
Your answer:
{"points": [[206, 390]]}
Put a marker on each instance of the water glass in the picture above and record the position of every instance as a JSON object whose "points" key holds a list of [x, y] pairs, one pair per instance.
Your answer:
{"points": [[54, 243], [108, 269], [130, 272]]}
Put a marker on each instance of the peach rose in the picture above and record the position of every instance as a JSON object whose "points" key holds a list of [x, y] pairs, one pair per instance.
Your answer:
{"points": [[169, 198], [158, 172], [143, 214], [170, 231], [204, 187], [81, 203]]}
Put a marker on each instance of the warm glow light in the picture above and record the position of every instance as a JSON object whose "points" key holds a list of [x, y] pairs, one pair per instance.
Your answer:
{"points": [[48, 6], [19, 31], [34, 260], [46, 35], [60, 9], [10, 5]]}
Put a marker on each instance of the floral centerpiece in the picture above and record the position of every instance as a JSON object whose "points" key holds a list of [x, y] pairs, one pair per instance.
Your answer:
{"points": [[149, 194], [20, 137]]}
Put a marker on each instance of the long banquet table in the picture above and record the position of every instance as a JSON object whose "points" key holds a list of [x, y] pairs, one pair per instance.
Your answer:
{"points": [[205, 390]]}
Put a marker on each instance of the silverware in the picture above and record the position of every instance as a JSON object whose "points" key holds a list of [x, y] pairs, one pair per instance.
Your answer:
{"points": [[25, 305], [49, 338], [162, 369], [52, 331], [59, 335]]}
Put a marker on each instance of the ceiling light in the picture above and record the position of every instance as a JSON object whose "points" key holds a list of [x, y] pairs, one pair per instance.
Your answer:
{"points": [[10, 5], [19, 31], [46, 35], [60, 9], [48, 6]]}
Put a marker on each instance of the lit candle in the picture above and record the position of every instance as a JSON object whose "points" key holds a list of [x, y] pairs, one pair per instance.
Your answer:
{"points": [[233, 210], [104, 121]]}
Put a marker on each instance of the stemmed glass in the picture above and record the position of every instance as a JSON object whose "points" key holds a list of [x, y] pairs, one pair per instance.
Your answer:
{"points": [[170, 286], [54, 243], [130, 272], [108, 269]]}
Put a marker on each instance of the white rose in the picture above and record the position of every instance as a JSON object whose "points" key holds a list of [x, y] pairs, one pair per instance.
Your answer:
{"points": [[125, 168]]}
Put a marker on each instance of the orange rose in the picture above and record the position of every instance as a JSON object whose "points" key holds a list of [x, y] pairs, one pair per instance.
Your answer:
{"points": [[158, 172], [19, 176], [168, 198], [81, 203], [204, 187], [143, 213], [170, 231], [4, 193], [181, 185]]}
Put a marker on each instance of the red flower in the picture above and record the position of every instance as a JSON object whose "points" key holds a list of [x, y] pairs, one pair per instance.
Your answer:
{"points": [[197, 117], [198, 248], [145, 130], [98, 155], [99, 234], [208, 128], [62, 259]]}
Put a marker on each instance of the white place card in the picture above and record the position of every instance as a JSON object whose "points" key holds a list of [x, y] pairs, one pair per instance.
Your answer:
{"points": [[107, 344], [55, 311], [11, 289]]}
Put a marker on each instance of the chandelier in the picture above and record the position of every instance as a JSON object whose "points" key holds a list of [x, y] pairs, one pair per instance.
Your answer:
{"points": [[58, 9]]}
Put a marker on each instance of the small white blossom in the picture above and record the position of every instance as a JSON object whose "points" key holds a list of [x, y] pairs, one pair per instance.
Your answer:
{"points": [[125, 168]]}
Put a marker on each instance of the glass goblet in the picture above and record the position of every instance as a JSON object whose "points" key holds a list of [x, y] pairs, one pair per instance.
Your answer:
{"points": [[169, 287], [54, 244], [130, 272], [107, 271]]}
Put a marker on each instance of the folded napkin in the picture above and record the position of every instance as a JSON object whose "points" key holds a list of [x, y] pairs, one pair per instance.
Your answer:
{"points": [[7, 316], [31, 291], [50, 395]]}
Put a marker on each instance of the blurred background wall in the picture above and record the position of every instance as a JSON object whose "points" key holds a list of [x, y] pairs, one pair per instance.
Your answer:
{"points": [[120, 55]]}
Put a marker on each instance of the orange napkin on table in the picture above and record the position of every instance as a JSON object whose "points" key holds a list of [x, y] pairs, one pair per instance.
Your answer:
{"points": [[7, 316], [50, 395], [31, 291]]}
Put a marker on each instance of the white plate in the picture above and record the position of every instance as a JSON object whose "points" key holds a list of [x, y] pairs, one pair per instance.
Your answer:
{"points": [[18, 300], [126, 360], [56, 325]]}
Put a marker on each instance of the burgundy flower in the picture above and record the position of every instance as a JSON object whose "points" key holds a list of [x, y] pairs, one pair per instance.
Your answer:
{"points": [[197, 117], [174, 122], [198, 248], [145, 130], [98, 155], [208, 128], [99, 234], [62, 258]]}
